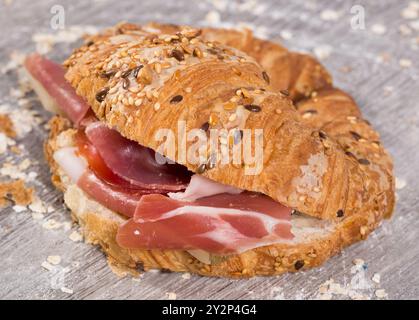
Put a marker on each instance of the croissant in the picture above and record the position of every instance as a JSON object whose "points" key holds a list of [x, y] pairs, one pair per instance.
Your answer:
{"points": [[320, 157]]}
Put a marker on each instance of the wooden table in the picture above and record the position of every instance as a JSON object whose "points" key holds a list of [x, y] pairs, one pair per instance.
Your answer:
{"points": [[378, 65]]}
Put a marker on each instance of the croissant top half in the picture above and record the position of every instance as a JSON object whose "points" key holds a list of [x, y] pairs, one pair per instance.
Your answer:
{"points": [[141, 79]]}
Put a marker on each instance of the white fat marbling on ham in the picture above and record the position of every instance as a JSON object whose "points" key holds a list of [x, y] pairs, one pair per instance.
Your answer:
{"points": [[200, 187]]}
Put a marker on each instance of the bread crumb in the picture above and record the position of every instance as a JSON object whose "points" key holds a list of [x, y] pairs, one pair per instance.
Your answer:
{"points": [[37, 216], [52, 224], [186, 276], [358, 262], [381, 293], [75, 236], [330, 15], [6, 126], [171, 295], [405, 63], [213, 17], [286, 35], [17, 192], [414, 25], [3, 143], [37, 206], [405, 30], [376, 278], [323, 51], [54, 260], [410, 12], [379, 29], [400, 183], [66, 290], [46, 265], [19, 209]]}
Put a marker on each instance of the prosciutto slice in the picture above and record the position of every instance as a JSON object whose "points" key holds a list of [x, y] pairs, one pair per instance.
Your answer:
{"points": [[221, 224], [50, 80], [115, 197], [135, 163]]}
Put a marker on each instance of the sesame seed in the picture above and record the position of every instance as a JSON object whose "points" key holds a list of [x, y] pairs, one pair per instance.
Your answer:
{"points": [[101, 94], [113, 90], [188, 89], [340, 213], [355, 135], [252, 108], [177, 54], [236, 71], [108, 74], [201, 168], [134, 89], [197, 53], [364, 162], [322, 135], [157, 67], [126, 73], [245, 93], [299, 264], [266, 77], [138, 102], [136, 71], [176, 99], [125, 83], [149, 95], [156, 106]]}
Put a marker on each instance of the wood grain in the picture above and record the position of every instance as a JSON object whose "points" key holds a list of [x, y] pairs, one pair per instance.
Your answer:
{"points": [[387, 93]]}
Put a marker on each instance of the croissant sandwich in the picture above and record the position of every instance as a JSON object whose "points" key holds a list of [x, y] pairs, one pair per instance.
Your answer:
{"points": [[209, 151]]}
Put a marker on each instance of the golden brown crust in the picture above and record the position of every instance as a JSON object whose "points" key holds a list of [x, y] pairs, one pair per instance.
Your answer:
{"points": [[303, 168]]}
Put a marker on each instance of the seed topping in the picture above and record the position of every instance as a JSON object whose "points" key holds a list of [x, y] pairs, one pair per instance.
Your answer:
{"points": [[253, 108], [101, 94], [176, 99], [266, 77]]}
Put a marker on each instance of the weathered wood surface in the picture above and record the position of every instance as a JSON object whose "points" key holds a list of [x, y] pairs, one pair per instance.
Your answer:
{"points": [[387, 93]]}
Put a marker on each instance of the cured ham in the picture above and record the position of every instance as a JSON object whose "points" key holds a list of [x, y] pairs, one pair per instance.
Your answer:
{"points": [[115, 197], [135, 163], [221, 224], [48, 78], [200, 187]]}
